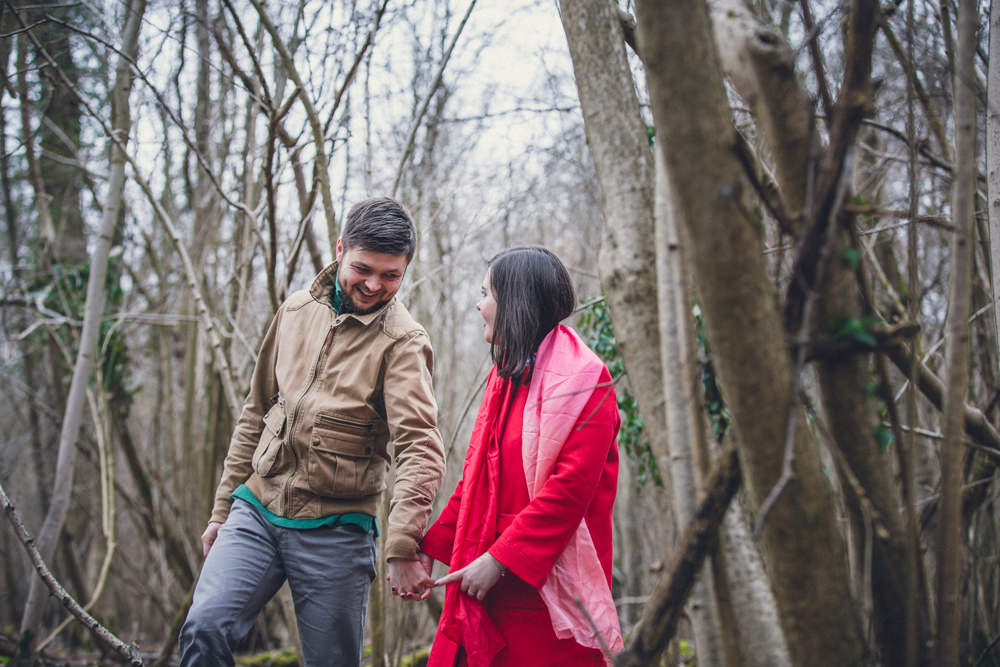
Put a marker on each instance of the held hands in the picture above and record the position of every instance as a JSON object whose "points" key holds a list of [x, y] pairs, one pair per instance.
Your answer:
{"points": [[477, 578], [411, 579]]}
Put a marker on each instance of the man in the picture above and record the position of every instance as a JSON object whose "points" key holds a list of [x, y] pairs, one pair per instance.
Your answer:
{"points": [[342, 386]]}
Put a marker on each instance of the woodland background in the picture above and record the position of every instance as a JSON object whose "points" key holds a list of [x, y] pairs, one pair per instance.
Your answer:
{"points": [[781, 217]]}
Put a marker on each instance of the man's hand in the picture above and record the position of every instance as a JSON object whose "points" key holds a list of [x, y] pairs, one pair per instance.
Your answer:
{"points": [[476, 578], [411, 579], [208, 537]]}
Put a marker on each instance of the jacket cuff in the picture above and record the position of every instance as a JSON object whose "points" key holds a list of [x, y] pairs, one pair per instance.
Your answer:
{"points": [[400, 546], [221, 510]]}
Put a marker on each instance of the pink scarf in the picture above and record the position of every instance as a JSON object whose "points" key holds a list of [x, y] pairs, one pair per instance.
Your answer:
{"points": [[566, 372]]}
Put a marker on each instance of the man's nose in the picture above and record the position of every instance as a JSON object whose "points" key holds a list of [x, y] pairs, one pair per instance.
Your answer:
{"points": [[373, 284]]}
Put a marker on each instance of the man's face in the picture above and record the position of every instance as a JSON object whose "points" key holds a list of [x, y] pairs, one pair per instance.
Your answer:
{"points": [[368, 279]]}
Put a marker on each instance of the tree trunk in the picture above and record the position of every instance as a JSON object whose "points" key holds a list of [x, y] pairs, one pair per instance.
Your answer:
{"points": [[761, 66], [802, 543], [756, 625], [59, 140], [65, 462], [688, 449], [951, 541], [993, 157], [742, 599]]}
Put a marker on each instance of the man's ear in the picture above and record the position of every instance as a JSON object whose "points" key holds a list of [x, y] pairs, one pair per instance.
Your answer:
{"points": [[340, 249]]}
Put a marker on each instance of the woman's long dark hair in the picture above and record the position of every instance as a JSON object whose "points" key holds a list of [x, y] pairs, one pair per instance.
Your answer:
{"points": [[534, 293]]}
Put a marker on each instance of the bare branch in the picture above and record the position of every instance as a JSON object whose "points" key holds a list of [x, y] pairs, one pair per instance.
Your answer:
{"points": [[127, 651], [322, 164], [418, 119], [358, 58]]}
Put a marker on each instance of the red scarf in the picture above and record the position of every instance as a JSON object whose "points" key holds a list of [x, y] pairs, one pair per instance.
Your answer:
{"points": [[465, 620]]}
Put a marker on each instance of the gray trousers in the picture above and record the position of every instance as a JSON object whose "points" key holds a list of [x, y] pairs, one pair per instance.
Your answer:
{"points": [[329, 571]]}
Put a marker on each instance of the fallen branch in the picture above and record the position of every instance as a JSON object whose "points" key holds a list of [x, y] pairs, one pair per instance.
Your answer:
{"points": [[700, 538], [127, 651]]}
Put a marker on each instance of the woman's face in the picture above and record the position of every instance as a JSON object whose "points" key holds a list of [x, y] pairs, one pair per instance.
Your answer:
{"points": [[487, 307]]}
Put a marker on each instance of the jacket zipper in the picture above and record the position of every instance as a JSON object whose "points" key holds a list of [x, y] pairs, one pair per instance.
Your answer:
{"points": [[295, 415]]}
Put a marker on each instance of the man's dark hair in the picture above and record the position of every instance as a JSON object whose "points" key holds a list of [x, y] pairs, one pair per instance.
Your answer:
{"points": [[382, 225], [534, 293]]}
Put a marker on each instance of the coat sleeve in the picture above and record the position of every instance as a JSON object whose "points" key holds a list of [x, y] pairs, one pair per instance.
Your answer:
{"points": [[440, 538], [263, 390], [415, 442], [539, 533]]}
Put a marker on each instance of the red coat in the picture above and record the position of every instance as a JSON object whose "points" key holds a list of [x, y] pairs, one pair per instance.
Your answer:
{"points": [[532, 534]]}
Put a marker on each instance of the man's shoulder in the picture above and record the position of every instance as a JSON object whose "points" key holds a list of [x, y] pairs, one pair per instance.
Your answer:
{"points": [[399, 323], [298, 299]]}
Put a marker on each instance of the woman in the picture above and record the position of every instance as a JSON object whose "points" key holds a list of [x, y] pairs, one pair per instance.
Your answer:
{"points": [[527, 532]]}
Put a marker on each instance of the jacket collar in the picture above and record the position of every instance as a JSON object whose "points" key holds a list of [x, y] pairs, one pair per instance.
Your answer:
{"points": [[322, 290]]}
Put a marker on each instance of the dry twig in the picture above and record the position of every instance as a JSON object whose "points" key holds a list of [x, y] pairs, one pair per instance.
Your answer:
{"points": [[127, 651]]}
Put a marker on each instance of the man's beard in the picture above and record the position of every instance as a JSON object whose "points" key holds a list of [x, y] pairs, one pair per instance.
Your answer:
{"points": [[347, 304]]}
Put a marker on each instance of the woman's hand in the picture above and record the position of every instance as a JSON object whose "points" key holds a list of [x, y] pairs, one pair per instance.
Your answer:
{"points": [[477, 578], [410, 579]]}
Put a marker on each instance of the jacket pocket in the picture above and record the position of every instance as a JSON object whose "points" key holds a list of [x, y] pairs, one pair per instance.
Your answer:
{"points": [[342, 460], [270, 457]]}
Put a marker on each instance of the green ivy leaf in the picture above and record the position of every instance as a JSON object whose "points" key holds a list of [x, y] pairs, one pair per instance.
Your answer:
{"points": [[853, 329], [596, 328], [883, 436], [852, 256]]}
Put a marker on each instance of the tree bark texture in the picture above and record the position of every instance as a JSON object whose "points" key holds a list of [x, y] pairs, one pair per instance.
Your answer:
{"points": [[761, 66], [993, 158], [802, 544], [688, 447], [746, 619], [620, 149], [951, 541], [60, 141]]}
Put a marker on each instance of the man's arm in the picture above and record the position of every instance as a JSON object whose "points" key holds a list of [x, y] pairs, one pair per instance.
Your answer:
{"points": [[416, 443], [263, 389]]}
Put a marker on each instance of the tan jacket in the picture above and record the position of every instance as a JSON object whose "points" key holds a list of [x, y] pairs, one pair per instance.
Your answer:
{"points": [[329, 394]]}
